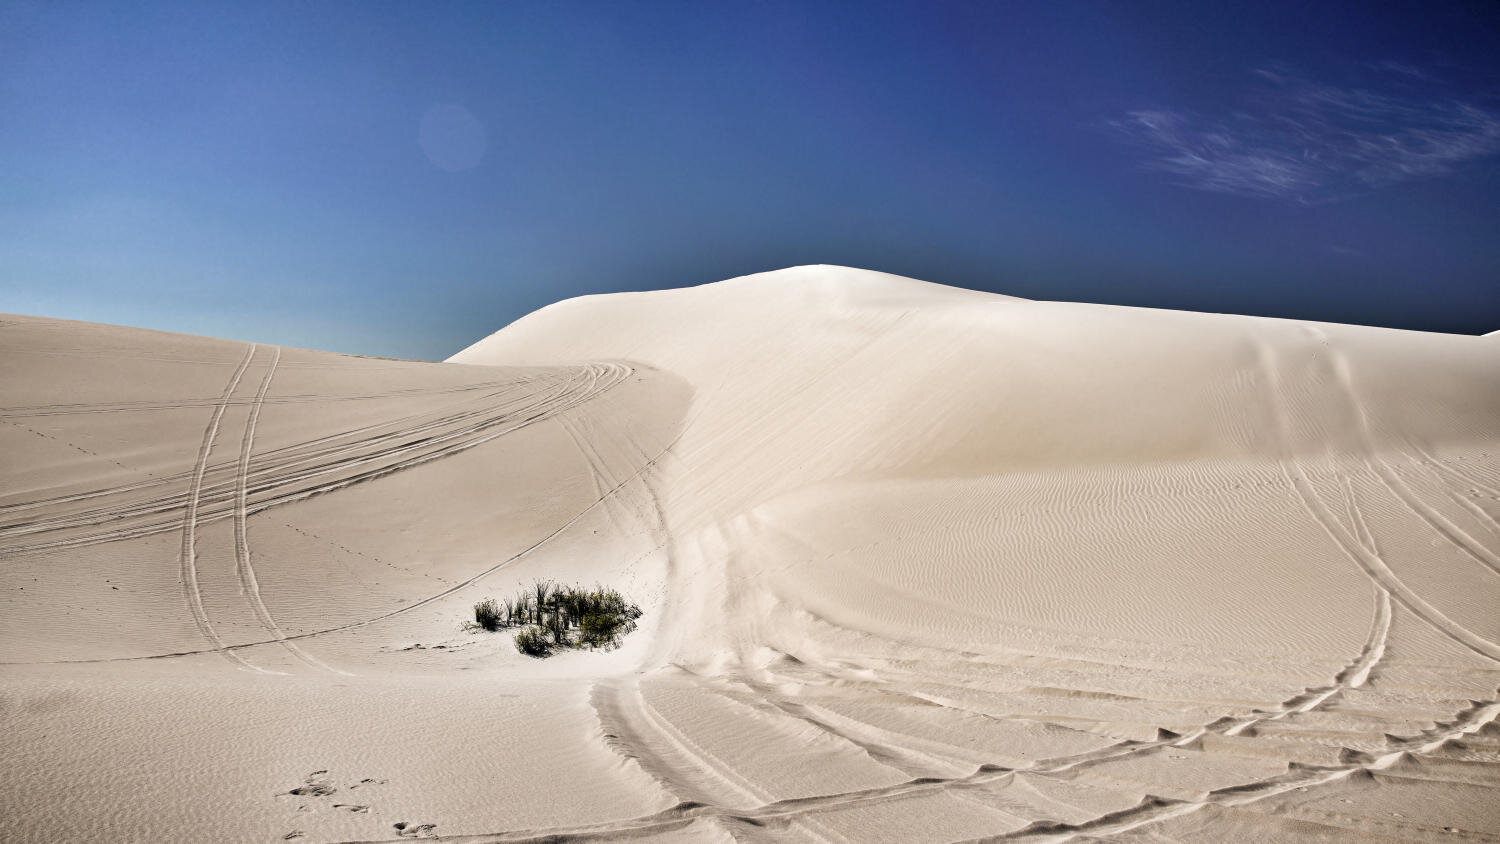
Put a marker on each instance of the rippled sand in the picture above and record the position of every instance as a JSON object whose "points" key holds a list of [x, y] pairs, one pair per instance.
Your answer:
{"points": [[917, 564]]}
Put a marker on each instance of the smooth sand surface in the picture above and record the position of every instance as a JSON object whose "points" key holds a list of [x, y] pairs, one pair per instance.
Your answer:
{"points": [[916, 564]]}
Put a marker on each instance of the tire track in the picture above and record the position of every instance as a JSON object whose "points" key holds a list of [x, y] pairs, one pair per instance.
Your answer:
{"points": [[27, 411], [1152, 809], [188, 556], [1447, 468], [1352, 676], [989, 776], [599, 474], [304, 449], [1356, 673], [640, 514], [881, 745], [464, 584], [1371, 563], [1450, 532], [249, 585], [1441, 468], [684, 770], [329, 446], [285, 476], [632, 728], [1355, 540]]}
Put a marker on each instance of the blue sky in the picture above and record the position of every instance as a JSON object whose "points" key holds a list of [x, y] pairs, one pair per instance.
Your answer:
{"points": [[402, 179]]}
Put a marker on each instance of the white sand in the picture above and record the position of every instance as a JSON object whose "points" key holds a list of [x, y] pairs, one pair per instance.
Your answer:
{"points": [[917, 563]]}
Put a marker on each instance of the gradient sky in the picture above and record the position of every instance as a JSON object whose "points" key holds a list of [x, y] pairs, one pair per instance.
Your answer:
{"points": [[403, 179]]}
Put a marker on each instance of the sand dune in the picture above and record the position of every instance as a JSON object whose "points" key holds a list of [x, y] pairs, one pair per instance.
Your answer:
{"points": [[916, 563]]}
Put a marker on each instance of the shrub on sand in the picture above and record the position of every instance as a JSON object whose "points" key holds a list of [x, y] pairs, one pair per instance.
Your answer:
{"points": [[532, 641], [553, 616], [542, 589], [487, 614], [600, 630]]}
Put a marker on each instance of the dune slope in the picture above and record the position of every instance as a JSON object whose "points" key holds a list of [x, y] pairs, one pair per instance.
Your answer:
{"points": [[917, 563]]}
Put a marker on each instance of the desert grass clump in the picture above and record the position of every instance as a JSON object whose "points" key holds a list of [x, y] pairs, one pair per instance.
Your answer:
{"points": [[603, 630], [487, 614], [552, 616], [532, 641]]}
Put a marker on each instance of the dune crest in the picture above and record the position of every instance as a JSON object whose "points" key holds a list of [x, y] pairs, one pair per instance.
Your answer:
{"points": [[916, 563]]}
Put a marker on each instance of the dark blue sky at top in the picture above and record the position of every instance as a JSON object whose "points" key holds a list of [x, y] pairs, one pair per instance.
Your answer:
{"points": [[405, 178]]}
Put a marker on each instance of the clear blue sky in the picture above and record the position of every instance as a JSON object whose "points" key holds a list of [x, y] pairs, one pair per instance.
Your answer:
{"points": [[404, 178]]}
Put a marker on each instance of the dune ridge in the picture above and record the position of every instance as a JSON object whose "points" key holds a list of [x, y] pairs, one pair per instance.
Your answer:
{"points": [[917, 563]]}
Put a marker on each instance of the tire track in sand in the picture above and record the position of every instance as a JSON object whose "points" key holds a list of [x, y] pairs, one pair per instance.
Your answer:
{"points": [[682, 767], [1463, 476], [1154, 809], [335, 467], [188, 556], [1356, 673], [1371, 563], [461, 585], [1450, 532], [498, 388], [279, 462], [249, 585], [1353, 674], [1151, 809], [629, 743], [1462, 497], [673, 761], [29, 411]]}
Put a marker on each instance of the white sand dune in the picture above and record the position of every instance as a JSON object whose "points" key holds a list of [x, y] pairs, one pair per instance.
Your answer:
{"points": [[917, 564]]}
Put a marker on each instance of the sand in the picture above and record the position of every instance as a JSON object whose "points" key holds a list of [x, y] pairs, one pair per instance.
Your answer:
{"points": [[916, 564]]}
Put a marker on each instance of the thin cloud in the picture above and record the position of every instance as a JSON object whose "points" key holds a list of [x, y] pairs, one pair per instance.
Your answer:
{"points": [[1297, 140]]}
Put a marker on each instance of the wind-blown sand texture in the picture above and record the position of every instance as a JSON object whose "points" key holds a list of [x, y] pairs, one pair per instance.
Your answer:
{"points": [[917, 564]]}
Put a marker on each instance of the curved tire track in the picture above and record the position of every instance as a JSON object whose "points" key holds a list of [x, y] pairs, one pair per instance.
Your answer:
{"points": [[294, 473], [351, 442], [1371, 563], [464, 584], [1450, 532], [188, 555], [249, 585]]}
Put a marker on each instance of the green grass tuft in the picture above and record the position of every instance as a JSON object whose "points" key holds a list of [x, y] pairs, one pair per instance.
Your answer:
{"points": [[553, 616], [487, 614], [532, 641]]}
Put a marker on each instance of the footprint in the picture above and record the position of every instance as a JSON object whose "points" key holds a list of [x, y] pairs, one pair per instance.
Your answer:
{"points": [[352, 807], [314, 787], [410, 830], [296, 833]]}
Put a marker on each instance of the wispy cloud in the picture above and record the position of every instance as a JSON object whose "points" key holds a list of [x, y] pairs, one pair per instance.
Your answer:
{"points": [[1294, 139]]}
